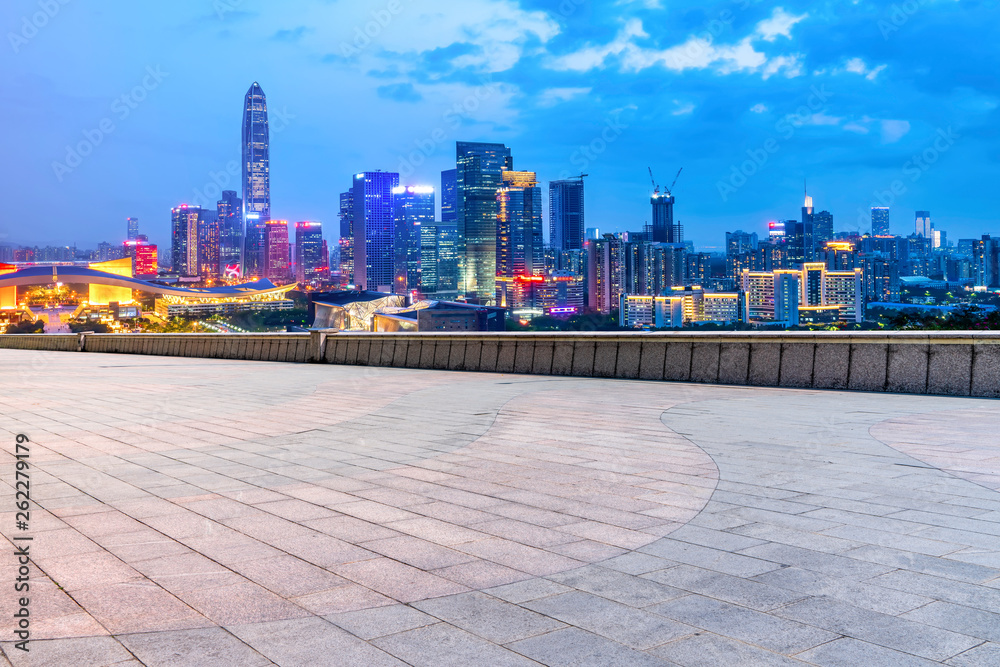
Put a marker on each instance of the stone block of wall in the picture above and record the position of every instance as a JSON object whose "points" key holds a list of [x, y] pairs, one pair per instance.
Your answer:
{"points": [[677, 361], [400, 352], [949, 368], [629, 359], [734, 362], [388, 350], [415, 348], [488, 360], [907, 371], [505, 355], [541, 360], [705, 361], [583, 358], [765, 364], [456, 355], [798, 363], [524, 355], [651, 360], [868, 366], [562, 357], [474, 354], [831, 365], [986, 370]]}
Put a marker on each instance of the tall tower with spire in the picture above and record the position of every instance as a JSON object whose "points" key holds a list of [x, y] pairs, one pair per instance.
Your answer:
{"points": [[256, 178]]}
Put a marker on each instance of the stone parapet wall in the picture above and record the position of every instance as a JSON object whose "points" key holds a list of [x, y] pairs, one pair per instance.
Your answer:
{"points": [[955, 364]]}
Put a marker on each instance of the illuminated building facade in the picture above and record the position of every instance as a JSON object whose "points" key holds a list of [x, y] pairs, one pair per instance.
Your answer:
{"points": [[374, 230], [519, 251], [662, 312], [144, 257], [184, 239], [103, 295], [566, 214], [133, 229], [605, 273], [276, 251], [559, 294], [413, 207], [346, 243], [880, 221], [230, 215], [438, 260], [208, 244], [771, 296], [256, 177], [449, 194], [922, 224], [822, 228], [8, 295], [479, 167], [807, 295], [663, 229], [309, 251]]}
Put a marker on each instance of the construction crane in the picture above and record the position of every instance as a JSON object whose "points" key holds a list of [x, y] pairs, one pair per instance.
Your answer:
{"points": [[656, 188], [669, 190]]}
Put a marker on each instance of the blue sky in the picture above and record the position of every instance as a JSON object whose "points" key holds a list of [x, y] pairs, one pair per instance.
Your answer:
{"points": [[871, 102]]}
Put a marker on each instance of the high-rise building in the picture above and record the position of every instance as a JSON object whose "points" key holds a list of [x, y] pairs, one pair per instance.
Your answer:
{"points": [[309, 261], [438, 259], [822, 228], [566, 219], [133, 229], [605, 272], [479, 167], [230, 212], [740, 242], [880, 221], [922, 224], [771, 296], [346, 243], [256, 178], [208, 244], [519, 248], [413, 207], [374, 230], [276, 255], [184, 239], [799, 237], [449, 194], [143, 255], [663, 228]]}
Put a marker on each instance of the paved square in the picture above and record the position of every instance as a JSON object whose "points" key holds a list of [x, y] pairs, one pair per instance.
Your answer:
{"points": [[208, 512]]}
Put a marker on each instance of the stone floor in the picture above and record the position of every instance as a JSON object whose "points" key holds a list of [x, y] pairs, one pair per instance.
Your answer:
{"points": [[202, 512]]}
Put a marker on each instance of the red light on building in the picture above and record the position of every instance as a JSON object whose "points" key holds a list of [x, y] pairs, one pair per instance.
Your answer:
{"points": [[529, 279]]}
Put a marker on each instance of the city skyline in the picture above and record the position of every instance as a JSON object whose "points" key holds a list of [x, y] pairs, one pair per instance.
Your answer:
{"points": [[545, 119]]}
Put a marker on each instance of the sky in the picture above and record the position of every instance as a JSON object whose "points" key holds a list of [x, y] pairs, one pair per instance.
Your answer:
{"points": [[117, 108]]}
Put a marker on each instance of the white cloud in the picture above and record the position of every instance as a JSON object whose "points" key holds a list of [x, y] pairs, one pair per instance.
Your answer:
{"points": [[695, 53], [858, 66], [758, 108], [856, 127], [779, 25], [682, 109], [894, 130], [554, 96]]}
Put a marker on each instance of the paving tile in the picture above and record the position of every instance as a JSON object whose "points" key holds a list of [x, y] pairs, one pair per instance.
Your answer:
{"points": [[633, 627], [753, 627], [617, 586], [984, 655], [488, 617], [572, 647], [381, 621], [882, 629], [310, 641], [847, 652], [443, 645], [965, 620], [744, 592], [74, 651], [709, 650], [192, 648]]}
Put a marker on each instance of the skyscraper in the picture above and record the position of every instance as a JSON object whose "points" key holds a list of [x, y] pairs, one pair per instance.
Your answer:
{"points": [[519, 250], [449, 204], [374, 230], [880, 221], [413, 207], [478, 167], [184, 239], [133, 229], [566, 223], [276, 256], [230, 211], [663, 229], [208, 244], [309, 260], [822, 228], [922, 224], [256, 177], [347, 237]]}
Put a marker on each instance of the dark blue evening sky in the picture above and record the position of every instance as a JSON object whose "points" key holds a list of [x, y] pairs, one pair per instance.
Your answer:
{"points": [[751, 98]]}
